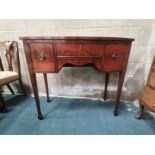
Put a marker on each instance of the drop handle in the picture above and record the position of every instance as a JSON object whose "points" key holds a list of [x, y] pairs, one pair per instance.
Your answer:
{"points": [[41, 56], [115, 56]]}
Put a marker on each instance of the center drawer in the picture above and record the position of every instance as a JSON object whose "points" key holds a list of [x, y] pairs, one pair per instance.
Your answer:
{"points": [[79, 49]]}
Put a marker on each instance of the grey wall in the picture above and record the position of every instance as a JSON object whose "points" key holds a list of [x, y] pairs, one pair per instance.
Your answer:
{"points": [[87, 82]]}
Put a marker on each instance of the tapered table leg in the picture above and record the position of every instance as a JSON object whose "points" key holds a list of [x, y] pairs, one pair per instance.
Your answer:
{"points": [[36, 95], [33, 79], [106, 85], [119, 89], [46, 86]]}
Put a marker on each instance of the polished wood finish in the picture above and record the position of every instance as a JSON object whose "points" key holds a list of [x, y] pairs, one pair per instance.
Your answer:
{"points": [[106, 85], [33, 80], [78, 49], [147, 99], [46, 86], [77, 38], [42, 56], [50, 54], [114, 56]]}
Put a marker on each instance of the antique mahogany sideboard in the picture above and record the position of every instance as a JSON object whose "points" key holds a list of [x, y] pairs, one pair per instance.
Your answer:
{"points": [[50, 54]]}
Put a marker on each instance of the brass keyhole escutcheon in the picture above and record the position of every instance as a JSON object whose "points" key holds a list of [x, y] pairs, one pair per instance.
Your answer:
{"points": [[80, 46], [115, 56]]}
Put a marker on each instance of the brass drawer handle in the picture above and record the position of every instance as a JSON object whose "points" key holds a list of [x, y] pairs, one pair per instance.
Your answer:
{"points": [[115, 56], [153, 105], [41, 56]]}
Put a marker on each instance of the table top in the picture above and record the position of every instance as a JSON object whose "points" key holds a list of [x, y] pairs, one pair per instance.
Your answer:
{"points": [[75, 38]]}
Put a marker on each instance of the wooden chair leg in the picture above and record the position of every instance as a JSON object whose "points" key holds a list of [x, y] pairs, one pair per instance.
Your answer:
{"points": [[46, 86], [2, 104], [9, 87], [140, 112], [22, 86]]}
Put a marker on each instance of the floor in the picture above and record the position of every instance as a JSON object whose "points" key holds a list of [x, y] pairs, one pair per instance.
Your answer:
{"points": [[70, 116]]}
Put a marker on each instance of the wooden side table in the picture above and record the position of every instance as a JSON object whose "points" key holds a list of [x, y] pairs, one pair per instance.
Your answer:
{"points": [[50, 54]]}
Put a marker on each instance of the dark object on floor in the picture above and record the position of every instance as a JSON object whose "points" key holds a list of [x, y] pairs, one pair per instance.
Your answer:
{"points": [[147, 98], [2, 104], [13, 73], [50, 54]]}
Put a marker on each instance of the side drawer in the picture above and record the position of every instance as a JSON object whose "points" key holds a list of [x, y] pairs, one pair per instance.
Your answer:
{"points": [[79, 49], [42, 56], [114, 56]]}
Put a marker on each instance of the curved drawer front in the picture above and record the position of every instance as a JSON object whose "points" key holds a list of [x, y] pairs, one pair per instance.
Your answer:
{"points": [[79, 49], [114, 56], [42, 57]]}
